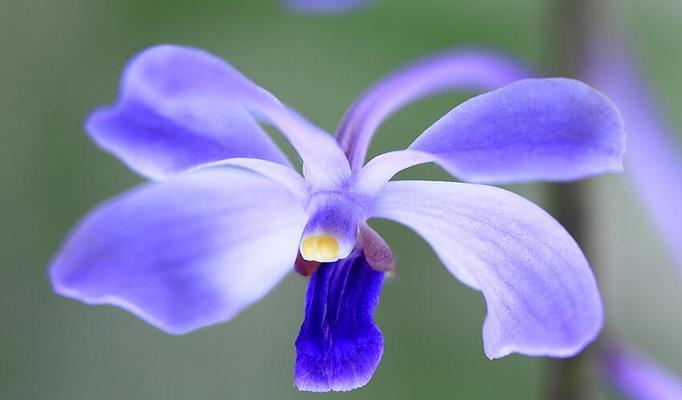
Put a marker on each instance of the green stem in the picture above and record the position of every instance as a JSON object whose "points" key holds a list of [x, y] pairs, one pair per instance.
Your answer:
{"points": [[572, 378]]}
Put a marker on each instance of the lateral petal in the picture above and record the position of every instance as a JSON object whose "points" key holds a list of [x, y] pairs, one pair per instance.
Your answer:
{"points": [[553, 129], [438, 73]]}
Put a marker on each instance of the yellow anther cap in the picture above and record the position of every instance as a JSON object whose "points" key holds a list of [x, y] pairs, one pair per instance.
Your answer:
{"points": [[320, 248]]}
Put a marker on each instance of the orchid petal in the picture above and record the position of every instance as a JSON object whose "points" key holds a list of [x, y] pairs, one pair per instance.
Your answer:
{"points": [[448, 71], [638, 378], [286, 176], [183, 254], [182, 107], [339, 346], [654, 161], [535, 129], [325, 7], [541, 294], [324, 164], [379, 170], [168, 119]]}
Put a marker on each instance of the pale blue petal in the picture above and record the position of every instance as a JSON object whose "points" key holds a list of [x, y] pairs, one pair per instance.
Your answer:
{"points": [[182, 107], [541, 295], [654, 159], [183, 254], [552, 129], [447, 71], [638, 378]]}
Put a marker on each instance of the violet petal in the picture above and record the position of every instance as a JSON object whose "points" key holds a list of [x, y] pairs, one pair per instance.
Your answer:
{"points": [[169, 118], [638, 378], [447, 71], [654, 159], [284, 175], [183, 254], [536, 129], [541, 295], [181, 107], [325, 7]]}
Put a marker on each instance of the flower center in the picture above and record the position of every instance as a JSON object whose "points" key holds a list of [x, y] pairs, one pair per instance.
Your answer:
{"points": [[332, 229], [321, 248]]}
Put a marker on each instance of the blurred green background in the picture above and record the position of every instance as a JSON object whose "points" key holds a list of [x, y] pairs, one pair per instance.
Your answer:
{"points": [[61, 58]]}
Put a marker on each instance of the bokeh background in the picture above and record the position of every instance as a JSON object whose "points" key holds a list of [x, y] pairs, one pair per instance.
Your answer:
{"points": [[61, 58]]}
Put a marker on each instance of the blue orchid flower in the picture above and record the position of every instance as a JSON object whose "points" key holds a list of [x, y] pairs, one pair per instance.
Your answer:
{"points": [[654, 158], [655, 171], [636, 377], [325, 7], [228, 217]]}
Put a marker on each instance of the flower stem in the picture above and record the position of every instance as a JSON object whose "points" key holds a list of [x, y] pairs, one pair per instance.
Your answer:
{"points": [[575, 377]]}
